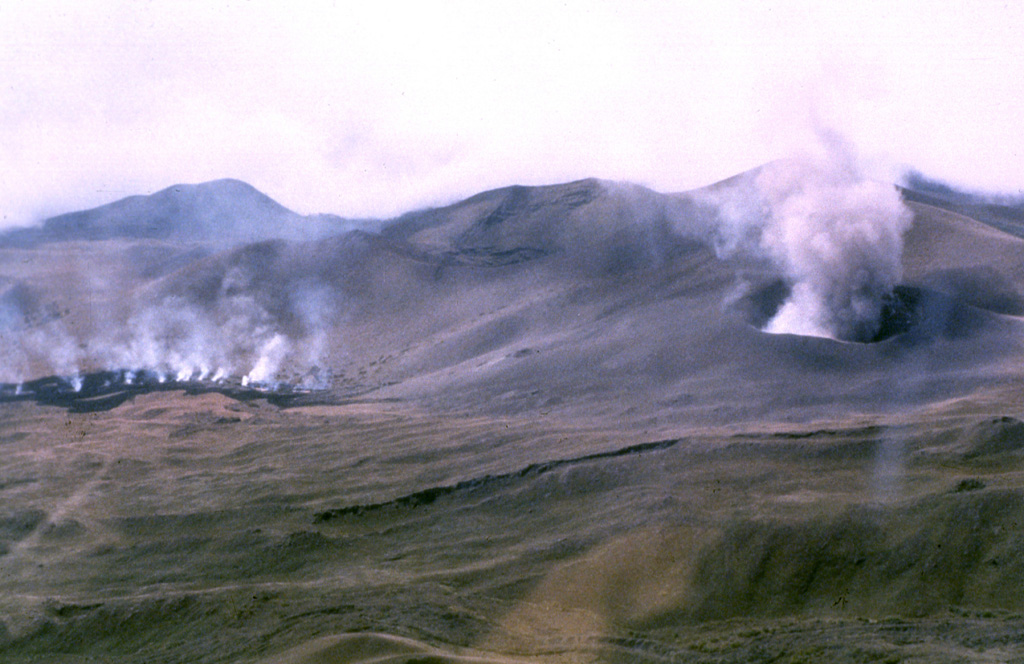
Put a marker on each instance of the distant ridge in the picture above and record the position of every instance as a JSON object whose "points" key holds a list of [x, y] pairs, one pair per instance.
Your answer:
{"points": [[588, 297], [1003, 212], [221, 211]]}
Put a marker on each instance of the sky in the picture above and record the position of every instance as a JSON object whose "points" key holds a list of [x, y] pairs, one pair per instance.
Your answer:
{"points": [[372, 109]]}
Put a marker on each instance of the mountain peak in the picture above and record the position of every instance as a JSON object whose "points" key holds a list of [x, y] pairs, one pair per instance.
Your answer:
{"points": [[224, 211]]}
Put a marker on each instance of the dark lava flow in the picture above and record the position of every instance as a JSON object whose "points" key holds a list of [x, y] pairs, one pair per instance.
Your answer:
{"points": [[104, 390]]}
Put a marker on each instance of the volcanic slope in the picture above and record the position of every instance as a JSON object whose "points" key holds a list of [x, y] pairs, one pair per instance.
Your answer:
{"points": [[76, 278], [589, 297], [550, 428], [222, 212], [631, 304], [1004, 212], [601, 298]]}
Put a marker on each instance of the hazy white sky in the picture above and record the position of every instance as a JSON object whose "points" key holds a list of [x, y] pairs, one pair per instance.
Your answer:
{"points": [[363, 108]]}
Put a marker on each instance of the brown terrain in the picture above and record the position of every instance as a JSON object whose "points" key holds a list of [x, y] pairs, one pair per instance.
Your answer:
{"points": [[540, 425]]}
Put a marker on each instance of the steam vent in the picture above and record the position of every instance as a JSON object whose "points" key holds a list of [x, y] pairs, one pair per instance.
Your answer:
{"points": [[776, 419]]}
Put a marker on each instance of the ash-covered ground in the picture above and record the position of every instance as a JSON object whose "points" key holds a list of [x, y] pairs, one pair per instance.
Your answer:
{"points": [[776, 419]]}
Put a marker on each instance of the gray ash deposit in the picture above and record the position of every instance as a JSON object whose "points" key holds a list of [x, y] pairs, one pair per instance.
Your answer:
{"points": [[775, 419]]}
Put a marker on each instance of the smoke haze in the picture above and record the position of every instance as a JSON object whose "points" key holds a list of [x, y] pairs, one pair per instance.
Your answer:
{"points": [[371, 111], [838, 237], [832, 233], [220, 320]]}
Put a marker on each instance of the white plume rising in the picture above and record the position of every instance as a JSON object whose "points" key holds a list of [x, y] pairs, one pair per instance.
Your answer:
{"points": [[838, 238]]}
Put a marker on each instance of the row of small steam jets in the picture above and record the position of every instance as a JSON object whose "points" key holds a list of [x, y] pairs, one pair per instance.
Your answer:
{"points": [[101, 382]]}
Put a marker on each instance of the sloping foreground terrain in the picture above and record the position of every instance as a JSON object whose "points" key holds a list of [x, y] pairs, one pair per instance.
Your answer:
{"points": [[555, 424]]}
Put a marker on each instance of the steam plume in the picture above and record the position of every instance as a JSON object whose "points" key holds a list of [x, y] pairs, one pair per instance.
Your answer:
{"points": [[836, 236], [235, 338]]}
